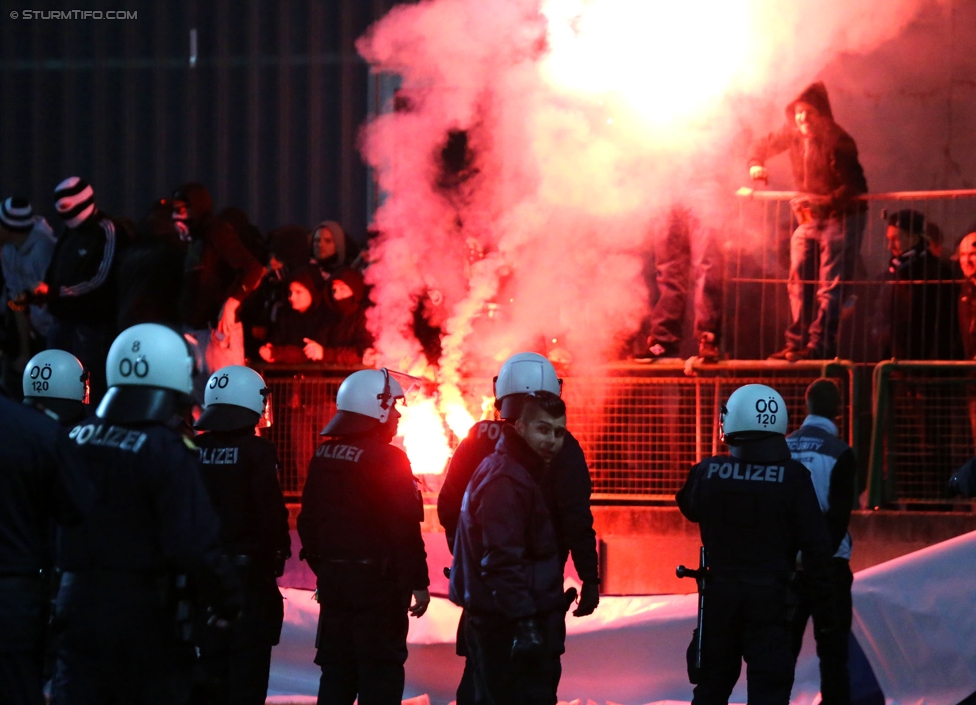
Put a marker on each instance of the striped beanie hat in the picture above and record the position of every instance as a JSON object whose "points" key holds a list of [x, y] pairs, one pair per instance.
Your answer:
{"points": [[16, 215], [75, 201]]}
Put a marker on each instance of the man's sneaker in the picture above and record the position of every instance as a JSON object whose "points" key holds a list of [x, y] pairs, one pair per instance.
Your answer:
{"points": [[655, 351], [707, 349], [783, 354], [808, 353]]}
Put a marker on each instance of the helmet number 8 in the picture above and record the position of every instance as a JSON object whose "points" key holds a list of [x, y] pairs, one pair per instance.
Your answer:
{"points": [[766, 411]]}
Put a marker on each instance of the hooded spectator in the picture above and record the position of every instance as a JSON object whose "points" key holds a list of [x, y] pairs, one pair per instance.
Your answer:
{"points": [[332, 249], [349, 338], [301, 332], [220, 273], [288, 253]]}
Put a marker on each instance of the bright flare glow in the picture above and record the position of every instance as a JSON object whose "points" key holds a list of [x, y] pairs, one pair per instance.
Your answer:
{"points": [[665, 61], [424, 439]]}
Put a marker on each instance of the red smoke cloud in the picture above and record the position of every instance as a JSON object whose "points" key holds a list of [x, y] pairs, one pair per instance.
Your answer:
{"points": [[585, 121]]}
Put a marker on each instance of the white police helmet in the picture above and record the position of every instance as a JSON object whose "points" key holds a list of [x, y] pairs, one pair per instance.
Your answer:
{"points": [[364, 402], [148, 370], [56, 374], [236, 397], [524, 373], [753, 409]]}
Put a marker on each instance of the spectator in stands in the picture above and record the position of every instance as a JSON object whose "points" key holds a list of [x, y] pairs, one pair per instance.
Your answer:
{"points": [[332, 249], [220, 272], [917, 318], [248, 233], [966, 251], [830, 222], [151, 270], [28, 244], [301, 332], [673, 250], [80, 284], [349, 338], [288, 253]]}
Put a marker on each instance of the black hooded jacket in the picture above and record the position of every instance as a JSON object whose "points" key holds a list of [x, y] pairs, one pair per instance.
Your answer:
{"points": [[565, 485], [830, 167], [506, 559]]}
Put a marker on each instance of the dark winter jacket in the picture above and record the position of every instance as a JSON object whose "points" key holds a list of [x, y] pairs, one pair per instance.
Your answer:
{"points": [[565, 486], [151, 271], [506, 559], [831, 168], [41, 482], [348, 337], [917, 318], [81, 278], [360, 521]]}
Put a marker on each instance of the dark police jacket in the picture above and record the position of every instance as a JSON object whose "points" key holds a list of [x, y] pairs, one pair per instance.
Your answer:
{"points": [[565, 486], [152, 516], [756, 508], [360, 521], [240, 472], [506, 559], [41, 482]]}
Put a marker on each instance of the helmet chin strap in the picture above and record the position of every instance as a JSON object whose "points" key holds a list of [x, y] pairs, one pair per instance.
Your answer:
{"points": [[386, 396]]}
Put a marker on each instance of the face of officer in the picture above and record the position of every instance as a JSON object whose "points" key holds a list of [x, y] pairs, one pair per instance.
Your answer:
{"points": [[542, 432], [388, 430]]}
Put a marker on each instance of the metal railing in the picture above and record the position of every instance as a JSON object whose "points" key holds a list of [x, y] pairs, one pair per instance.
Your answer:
{"points": [[924, 428], [757, 304], [642, 428]]}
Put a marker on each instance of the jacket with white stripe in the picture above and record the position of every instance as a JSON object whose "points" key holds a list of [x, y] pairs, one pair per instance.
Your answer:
{"points": [[833, 470], [81, 276]]}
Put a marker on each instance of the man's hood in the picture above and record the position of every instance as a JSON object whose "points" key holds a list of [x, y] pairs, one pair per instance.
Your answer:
{"points": [[816, 95]]}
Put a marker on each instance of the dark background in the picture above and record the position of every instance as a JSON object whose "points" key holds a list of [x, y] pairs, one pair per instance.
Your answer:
{"points": [[268, 118]]}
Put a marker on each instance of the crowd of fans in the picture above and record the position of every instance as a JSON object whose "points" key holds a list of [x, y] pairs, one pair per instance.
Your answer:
{"points": [[298, 295], [294, 295]]}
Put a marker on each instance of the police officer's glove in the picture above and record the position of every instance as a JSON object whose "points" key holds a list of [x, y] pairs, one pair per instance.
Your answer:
{"points": [[528, 643], [421, 601], [589, 599]]}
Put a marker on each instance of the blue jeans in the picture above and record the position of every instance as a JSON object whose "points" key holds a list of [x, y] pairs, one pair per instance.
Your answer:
{"points": [[686, 242], [835, 242]]}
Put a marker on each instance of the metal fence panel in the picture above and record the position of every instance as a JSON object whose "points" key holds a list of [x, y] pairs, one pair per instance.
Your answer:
{"points": [[641, 429]]}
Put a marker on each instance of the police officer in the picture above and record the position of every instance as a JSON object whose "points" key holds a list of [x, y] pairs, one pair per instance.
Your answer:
{"points": [[565, 484], [41, 482], [756, 507], [834, 471], [507, 572], [240, 471], [123, 637], [360, 532], [55, 382]]}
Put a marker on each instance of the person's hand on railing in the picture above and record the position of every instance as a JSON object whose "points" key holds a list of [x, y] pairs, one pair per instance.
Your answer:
{"points": [[759, 173], [313, 350], [266, 352]]}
